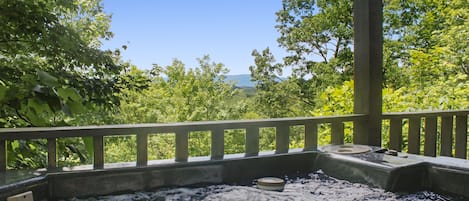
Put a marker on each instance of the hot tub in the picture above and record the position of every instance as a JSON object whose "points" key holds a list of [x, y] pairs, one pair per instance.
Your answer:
{"points": [[402, 173]]}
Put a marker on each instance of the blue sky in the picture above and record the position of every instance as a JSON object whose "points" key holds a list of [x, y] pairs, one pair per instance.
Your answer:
{"points": [[157, 31]]}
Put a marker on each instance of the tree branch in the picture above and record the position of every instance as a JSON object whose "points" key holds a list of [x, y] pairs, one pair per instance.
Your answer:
{"points": [[337, 47], [320, 51], [24, 118]]}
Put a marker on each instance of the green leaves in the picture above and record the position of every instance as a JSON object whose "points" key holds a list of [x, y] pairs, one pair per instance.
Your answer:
{"points": [[71, 101], [36, 111], [49, 53], [318, 36], [3, 92], [47, 79], [178, 94], [69, 94]]}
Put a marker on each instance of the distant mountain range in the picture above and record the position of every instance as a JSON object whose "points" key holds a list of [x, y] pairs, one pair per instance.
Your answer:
{"points": [[242, 80]]}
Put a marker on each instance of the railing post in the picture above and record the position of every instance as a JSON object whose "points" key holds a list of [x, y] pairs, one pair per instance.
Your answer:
{"points": [[142, 149], [395, 134], [218, 144], [282, 139], [3, 161], [182, 145], [337, 132], [252, 141], [368, 64], [98, 145], [3, 156], [414, 135], [51, 153], [461, 137], [446, 147], [311, 136], [430, 136]]}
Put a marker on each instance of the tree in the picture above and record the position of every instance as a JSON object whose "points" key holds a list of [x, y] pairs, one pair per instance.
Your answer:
{"points": [[426, 44], [318, 35], [51, 63], [52, 69], [275, 96], [428, 31], [177, 94], [180, 94]]}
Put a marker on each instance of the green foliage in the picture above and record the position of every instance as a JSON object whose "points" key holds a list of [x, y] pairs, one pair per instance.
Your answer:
{"points": [[72, 152], [443, 94], [318, 35], [53, 74], [266, 139], [275, 97], [199, 143], [114, 152], [27, 154], [51, 63], [161, 146], [177, 94], [52, 68], [235, 141]]}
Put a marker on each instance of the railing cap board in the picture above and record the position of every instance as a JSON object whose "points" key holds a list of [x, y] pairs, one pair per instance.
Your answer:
{"points": [[393, 115], [126, 129]]}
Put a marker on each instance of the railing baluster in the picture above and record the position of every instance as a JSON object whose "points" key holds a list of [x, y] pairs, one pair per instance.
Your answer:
{"points": [[461, 136], [252, 141], [3, 156], [98, 145], [3, 161], [52, 153], [414, 135], [430, 136], [282, 139], [311, 136], [446, 146], [395, 136], [218, 144], [182, 145], [337, 132], [142, 149]]}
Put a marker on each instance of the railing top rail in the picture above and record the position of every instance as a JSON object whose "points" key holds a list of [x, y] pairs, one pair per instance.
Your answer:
{"points": [[126, 129], [425, 113]]}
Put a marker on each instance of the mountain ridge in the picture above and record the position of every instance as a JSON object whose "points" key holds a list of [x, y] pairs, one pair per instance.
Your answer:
{"points": [[240, 80]]}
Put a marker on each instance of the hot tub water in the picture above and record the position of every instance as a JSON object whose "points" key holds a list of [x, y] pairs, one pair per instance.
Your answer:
{"points": [[315, 186]]}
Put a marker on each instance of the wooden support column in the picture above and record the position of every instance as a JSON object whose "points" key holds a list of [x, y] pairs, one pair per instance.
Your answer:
{"points": [[368, 61]]}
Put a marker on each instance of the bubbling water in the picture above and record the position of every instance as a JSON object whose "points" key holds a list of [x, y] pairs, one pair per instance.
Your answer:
{"points": [[315, 186]]}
